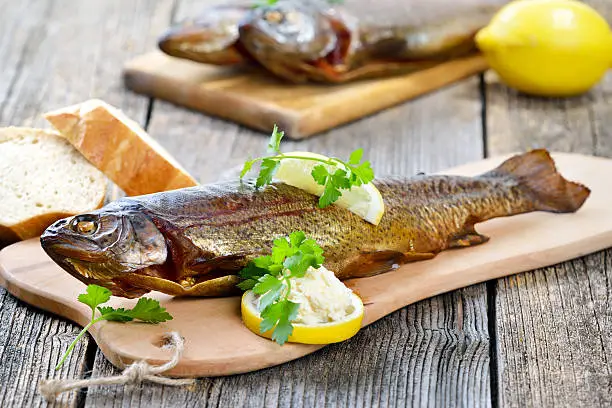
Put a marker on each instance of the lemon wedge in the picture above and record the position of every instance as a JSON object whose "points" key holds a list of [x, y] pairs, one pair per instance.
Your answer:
{"points": [[365, 200], [547, 47], [319, 333]]}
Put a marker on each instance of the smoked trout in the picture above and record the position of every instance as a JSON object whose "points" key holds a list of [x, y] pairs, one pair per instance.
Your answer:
{"points": [[313, 40], [194, 241]]}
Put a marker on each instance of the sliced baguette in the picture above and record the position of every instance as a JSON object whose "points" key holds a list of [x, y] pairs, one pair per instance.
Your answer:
{"points": [[120, 148], [42, 179]]}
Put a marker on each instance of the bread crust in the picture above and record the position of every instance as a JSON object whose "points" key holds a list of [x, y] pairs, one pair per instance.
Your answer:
{"points": [[119, 148]]}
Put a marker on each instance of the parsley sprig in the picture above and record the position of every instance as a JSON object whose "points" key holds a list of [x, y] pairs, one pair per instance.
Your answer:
{"points": [[347, 174], [146, 310], [270, 277]]}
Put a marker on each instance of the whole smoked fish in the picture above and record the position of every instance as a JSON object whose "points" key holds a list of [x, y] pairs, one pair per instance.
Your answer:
{"points": [[313, 40], [194, 241]]}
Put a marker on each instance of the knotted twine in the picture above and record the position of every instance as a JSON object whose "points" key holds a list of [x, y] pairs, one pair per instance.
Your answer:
{"points": [[133, 374]]}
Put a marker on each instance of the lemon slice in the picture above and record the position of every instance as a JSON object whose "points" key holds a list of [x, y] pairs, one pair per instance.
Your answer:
{"points": [[365, 200], [322, 333]]}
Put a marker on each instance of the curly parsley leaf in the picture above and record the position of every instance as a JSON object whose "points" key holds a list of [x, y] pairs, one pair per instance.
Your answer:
{"points": [[115, 315], [270, 296], [279, 316], [146, 310], [281, 249], [267, 283], [330, 194], [149, 311], [94, 295], [275, 139], [268, 169], [246, 168], [270, 277], [362, 174], [284, 328], [356, 156], [320, 174], [333, 173], [253, 271], [270, 315]]}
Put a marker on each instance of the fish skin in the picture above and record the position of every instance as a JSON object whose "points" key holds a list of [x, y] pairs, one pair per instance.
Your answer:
{"points": [[211, 37], [212, 231], [300, 41]]}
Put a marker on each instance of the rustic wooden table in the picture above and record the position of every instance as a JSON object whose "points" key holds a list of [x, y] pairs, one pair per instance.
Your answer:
{"points": [[540, 338]]}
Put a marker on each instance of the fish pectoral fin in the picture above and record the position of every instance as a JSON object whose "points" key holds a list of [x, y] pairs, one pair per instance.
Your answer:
{"points": [[221, 286], [468, 237], [216, 286], [417, 256], [372, 263]]}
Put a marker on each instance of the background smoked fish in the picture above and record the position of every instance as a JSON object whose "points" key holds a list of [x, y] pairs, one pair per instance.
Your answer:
{"points": [[194, 241], [314, 40]]}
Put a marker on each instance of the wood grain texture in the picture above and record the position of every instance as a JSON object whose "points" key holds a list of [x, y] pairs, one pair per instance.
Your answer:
{"points": [[53, 53], [31, 344], [440, 354], [554, 325]]}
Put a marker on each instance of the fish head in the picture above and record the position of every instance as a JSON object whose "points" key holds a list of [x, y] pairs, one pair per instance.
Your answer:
{"points": [[289, 29], [103, 246], [209, 38]]}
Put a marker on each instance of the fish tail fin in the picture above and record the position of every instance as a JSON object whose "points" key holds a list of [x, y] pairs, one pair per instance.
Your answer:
{"points": [[537, 174]]}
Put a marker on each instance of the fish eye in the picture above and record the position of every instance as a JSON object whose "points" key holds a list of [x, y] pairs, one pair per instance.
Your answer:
{"points": [[274, 16], [84, 226]]}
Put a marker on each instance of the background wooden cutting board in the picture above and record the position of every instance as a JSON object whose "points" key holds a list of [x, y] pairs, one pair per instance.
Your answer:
{"points": [[218, 344], [256, 99]]}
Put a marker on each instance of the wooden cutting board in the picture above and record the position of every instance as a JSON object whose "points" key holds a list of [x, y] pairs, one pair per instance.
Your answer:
{"points": [[218, 344], [256, 99]]}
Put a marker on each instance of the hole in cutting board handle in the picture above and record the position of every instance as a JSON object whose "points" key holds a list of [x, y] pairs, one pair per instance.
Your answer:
{"points": [[163, 342]]}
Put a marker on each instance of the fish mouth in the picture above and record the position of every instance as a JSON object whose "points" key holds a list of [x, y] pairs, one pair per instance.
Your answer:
{"points": [[87, 267], [209, 38], [198, 43], [60, 247]]}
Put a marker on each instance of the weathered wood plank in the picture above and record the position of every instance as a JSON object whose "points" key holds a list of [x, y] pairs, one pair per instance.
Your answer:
{"points": [[76, 52], [431, 353], [54, 53], [554, 325], [31, 344]]}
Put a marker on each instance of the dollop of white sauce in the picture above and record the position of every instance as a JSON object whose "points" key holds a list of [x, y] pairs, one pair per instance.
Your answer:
{"points": [[323, 298]]}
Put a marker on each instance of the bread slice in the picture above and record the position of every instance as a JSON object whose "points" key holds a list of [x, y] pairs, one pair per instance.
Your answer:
{"points": [[120, 148], [42, 179]]}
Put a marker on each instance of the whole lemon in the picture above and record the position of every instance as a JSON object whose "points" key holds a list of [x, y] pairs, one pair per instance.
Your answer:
{"points": [[547, 47]]}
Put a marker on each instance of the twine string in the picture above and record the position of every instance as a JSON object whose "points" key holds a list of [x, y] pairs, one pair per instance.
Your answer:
{"points": [[135, 373]]}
